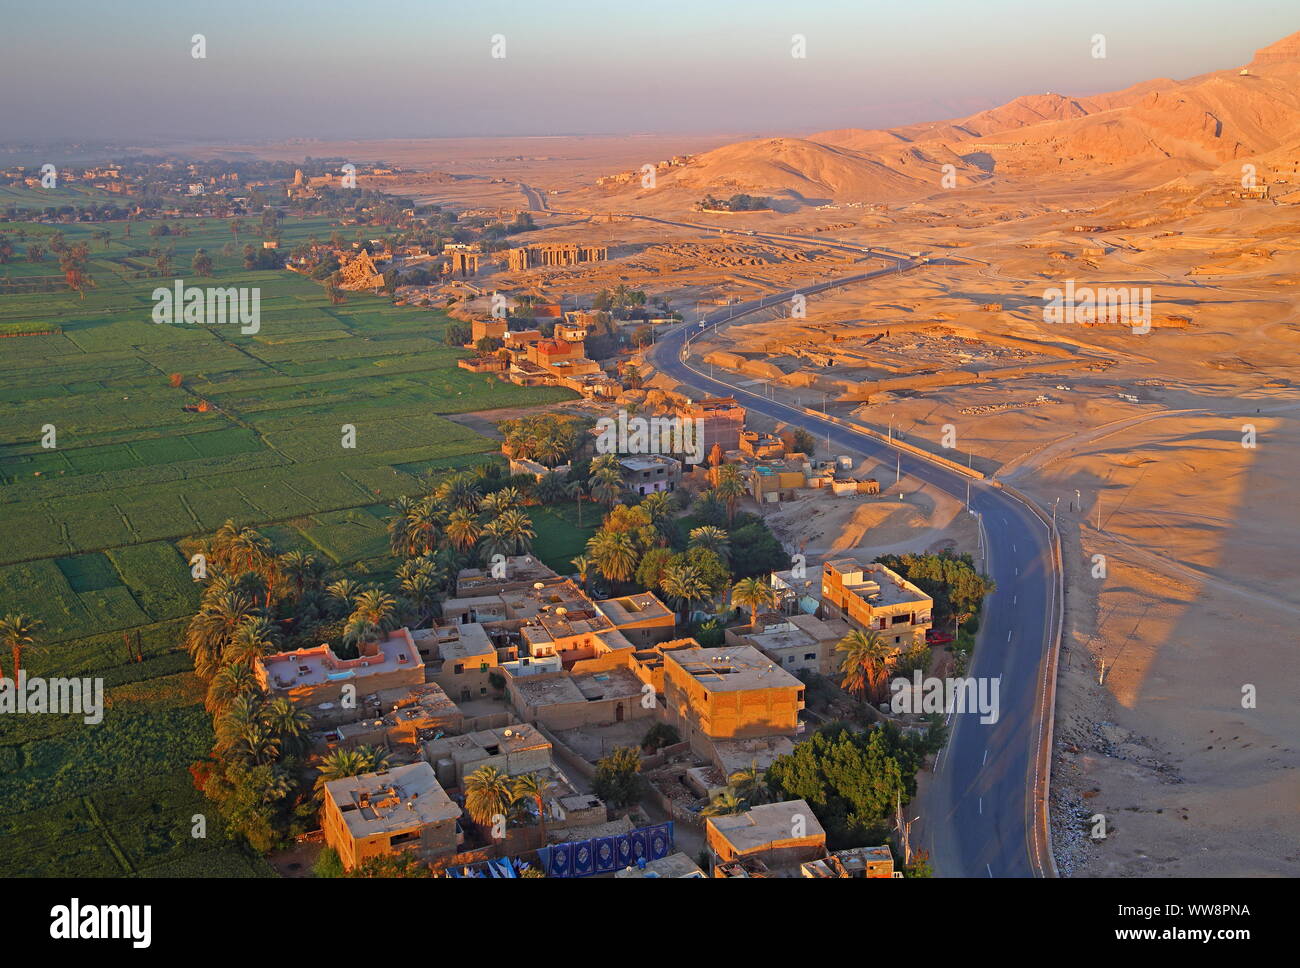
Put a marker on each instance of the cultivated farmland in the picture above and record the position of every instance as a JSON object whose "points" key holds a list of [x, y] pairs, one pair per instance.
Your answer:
{"points": [[94, 528]]}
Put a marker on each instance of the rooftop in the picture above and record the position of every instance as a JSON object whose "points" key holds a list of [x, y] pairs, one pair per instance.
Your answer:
{"points": [[876, 583], [319, 665], [767, 824], [633, 609], [732, 669], [392, 801], [674, 865]]}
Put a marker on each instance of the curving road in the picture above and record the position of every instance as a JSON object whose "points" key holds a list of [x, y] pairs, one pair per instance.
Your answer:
{"points": [[983, 811]]}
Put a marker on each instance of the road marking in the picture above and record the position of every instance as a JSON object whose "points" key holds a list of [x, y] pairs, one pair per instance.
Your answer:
{"points": [[986, 757], [1017, 570], [1014, 599], [989, 869], [981, 806], [1008, 635], [1013, 547]]}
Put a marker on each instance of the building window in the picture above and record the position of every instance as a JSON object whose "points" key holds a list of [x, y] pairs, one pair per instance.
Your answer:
{"points": [[810, 656], [458, 668]]}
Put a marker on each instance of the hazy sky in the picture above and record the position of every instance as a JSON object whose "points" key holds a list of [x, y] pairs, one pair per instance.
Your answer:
{"points": [[88, 69]]}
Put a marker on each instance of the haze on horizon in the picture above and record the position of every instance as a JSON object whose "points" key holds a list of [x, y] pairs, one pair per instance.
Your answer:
{"points": [[411, 69]]}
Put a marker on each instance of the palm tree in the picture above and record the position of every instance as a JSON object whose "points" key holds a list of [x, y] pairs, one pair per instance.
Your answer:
{"points": [[606, 486], [463, 529], [424, 526], [459, 491], [373, 613], [723, 804], [749, 784], [582, 565], [614, 554], [488, 795], [211, 630], [421, 592], [712, 538], [554, 488], [753, 594], [344, 593], [519, 528], [730, 487], [398, 538], [684, 585], [659, 507], [252, 639], [302, 570], [289, 723], [495, 540], [498, 502], [534, 786], [866, 662], [240, 713], [342, 764], [235, 679], [18, 632]]}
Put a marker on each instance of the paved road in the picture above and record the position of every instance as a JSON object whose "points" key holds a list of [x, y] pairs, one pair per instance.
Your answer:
{"points": [[978, 815]]}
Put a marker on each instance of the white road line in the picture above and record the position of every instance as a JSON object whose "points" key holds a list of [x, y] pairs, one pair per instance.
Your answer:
{"points": [[1013, 547], [981, 806], [1014, 599], [989, 869], [1008, 635], [1017, 571], [986, 758]]}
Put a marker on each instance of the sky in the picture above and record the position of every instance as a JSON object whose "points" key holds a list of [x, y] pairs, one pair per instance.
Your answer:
{"points": [[85, 70]]}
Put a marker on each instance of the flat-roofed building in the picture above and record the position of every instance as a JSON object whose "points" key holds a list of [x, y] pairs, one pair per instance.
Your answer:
{"points": [[513, 750], [728, 693], [674, 865], [488, 328], [874, 598], [641, 617], [721, 421], [797, 643], [459, 657], [398, 810], [416, 716], [312, 677], [649, 473], [781, 835], [567, 700]]}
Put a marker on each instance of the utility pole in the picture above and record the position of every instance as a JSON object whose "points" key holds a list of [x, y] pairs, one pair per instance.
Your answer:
{"points": [[1099, 510], [968, 497]]}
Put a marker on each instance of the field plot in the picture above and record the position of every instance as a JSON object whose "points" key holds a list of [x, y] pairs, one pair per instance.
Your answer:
{"points": [[160, 434]]}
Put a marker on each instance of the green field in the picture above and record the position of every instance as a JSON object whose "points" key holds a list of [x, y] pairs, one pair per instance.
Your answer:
{"points": [[94, 526]]}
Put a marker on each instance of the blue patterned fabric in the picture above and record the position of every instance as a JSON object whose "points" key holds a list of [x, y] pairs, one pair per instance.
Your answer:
{"points": [[605, 854]]}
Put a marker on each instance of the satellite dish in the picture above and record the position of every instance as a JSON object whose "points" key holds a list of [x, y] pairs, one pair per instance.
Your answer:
{"points": [[539, 585]]}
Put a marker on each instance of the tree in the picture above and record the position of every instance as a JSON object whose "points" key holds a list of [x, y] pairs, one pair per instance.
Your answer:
{"points": [[373, 613], [658, 736], [18, 633], [683, 585], [866, 663], [618, 777], [724, 804], [534, 786], [750, 785], [606, 485], [211, 630], [518, 528], [730, 487], [201, 263], [753, 594], [232, 681], [710, 537], [341, 764], [463, 529], [614, 554], [488, 795], [851, 780], [582, 566]]}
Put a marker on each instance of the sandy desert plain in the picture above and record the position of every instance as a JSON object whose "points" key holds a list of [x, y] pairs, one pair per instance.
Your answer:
{"points": [[1182, 444]]}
